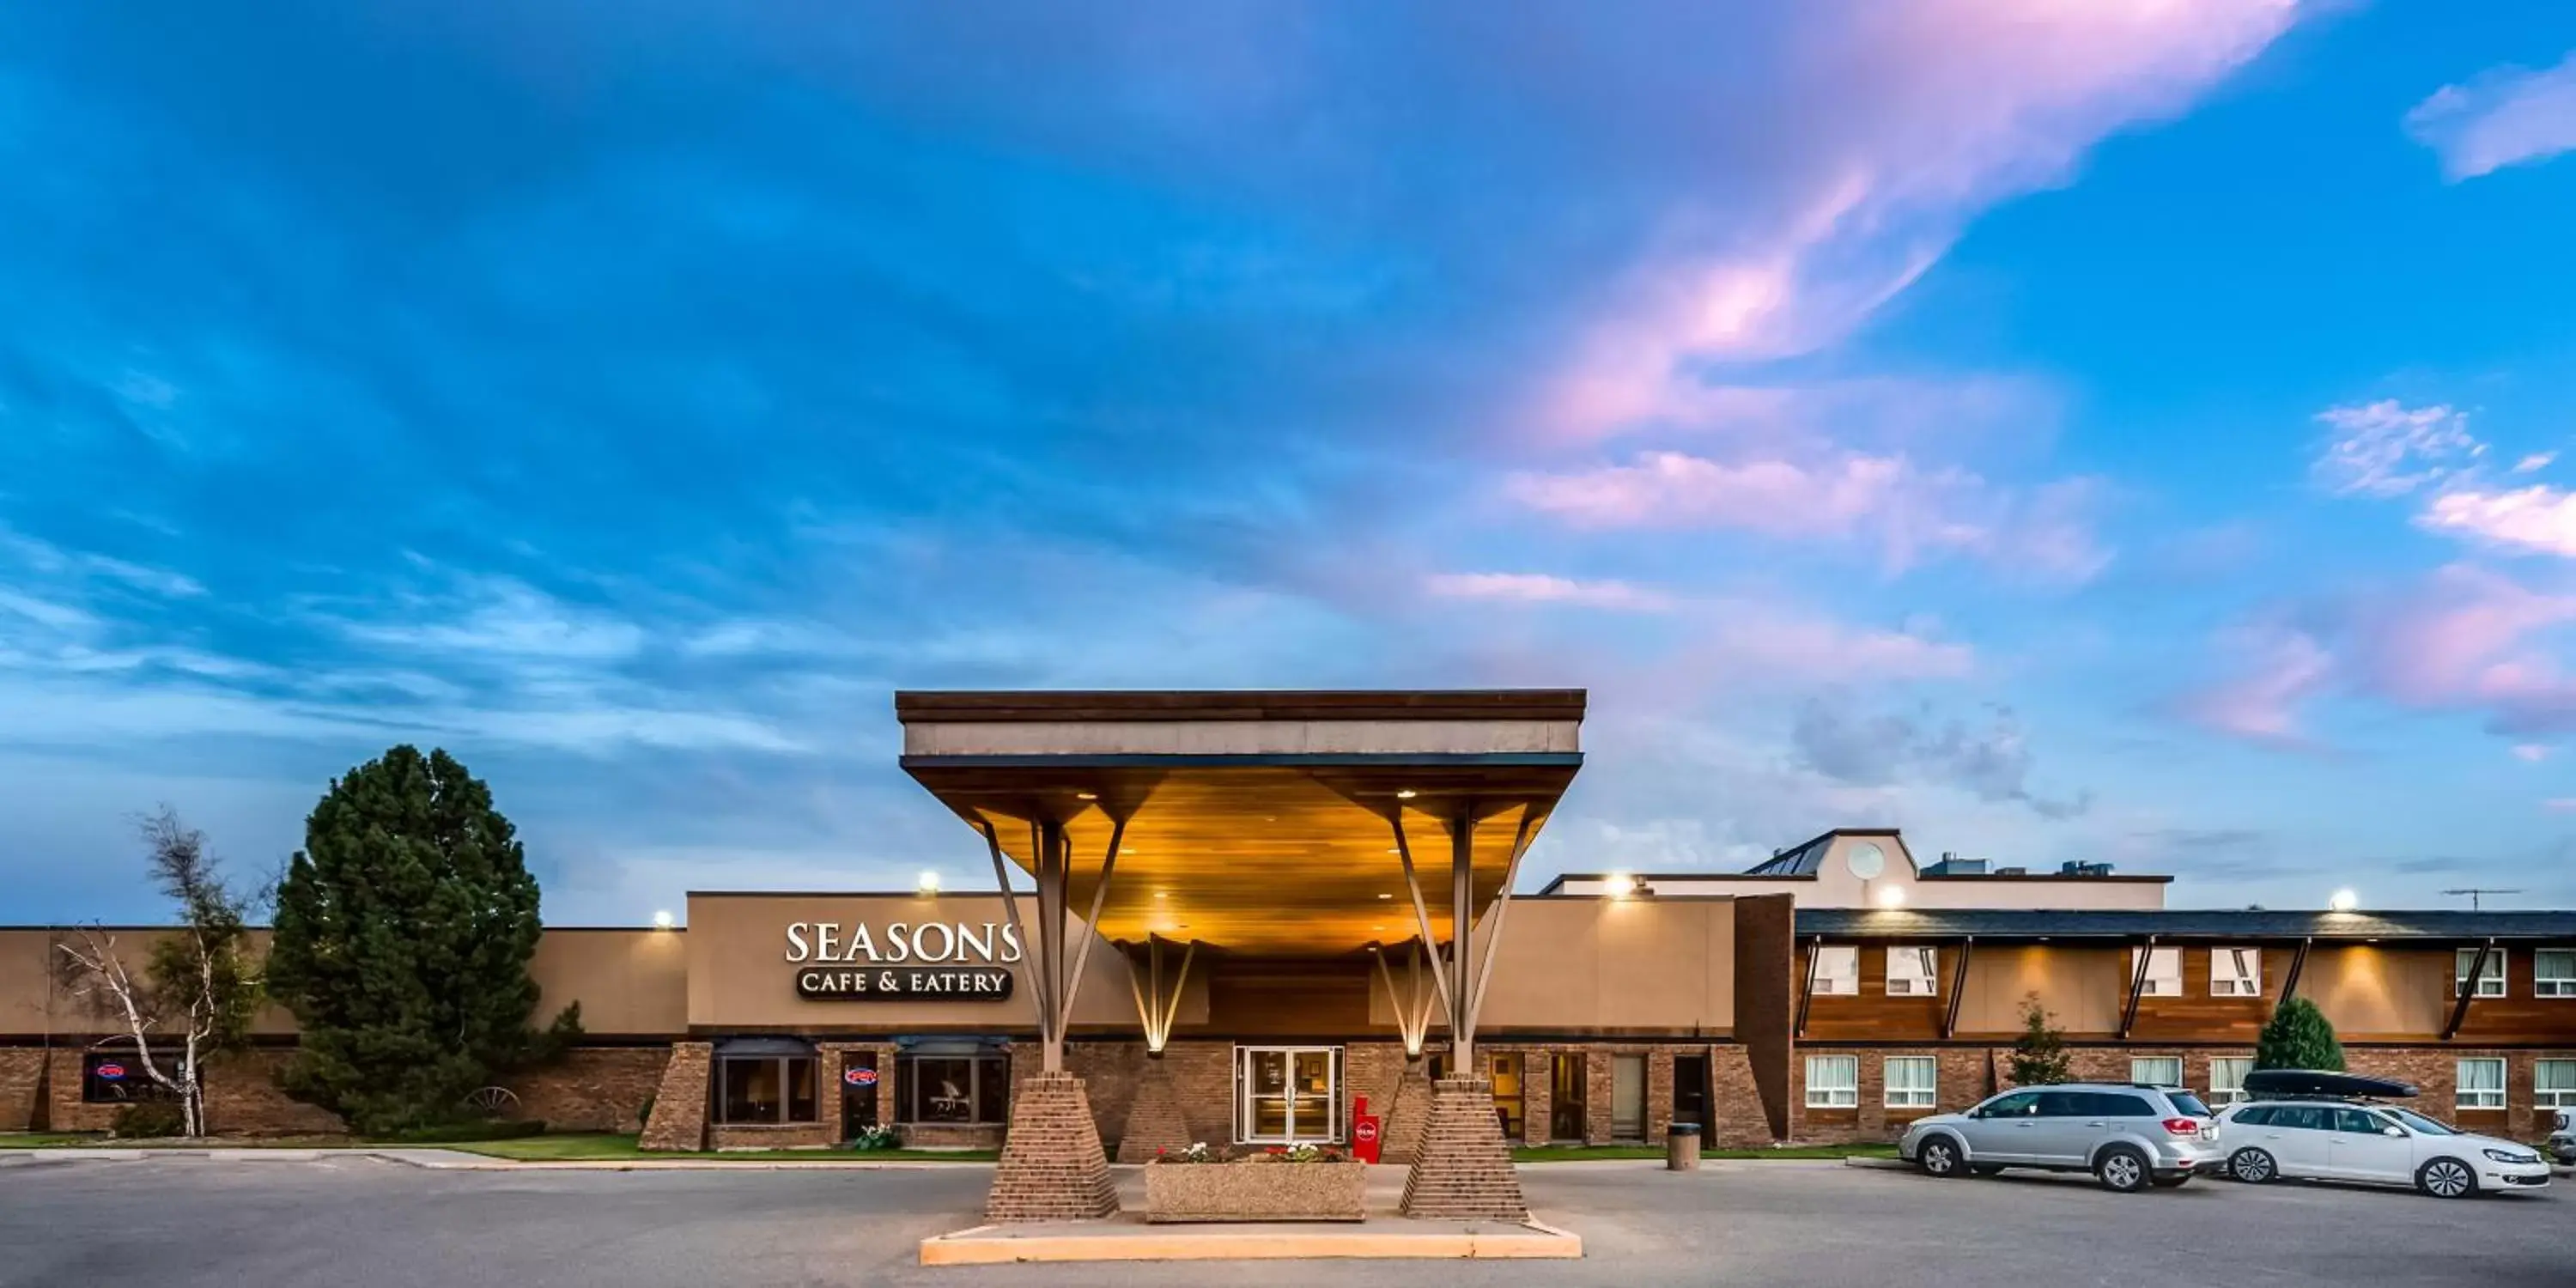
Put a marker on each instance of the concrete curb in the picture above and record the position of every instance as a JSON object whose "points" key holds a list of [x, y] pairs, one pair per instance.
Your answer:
{"points": [[1880, 1164], [464, 1161], [1130, 1240]]}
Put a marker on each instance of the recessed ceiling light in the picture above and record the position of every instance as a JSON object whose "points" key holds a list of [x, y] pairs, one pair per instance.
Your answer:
{"points": [[1126, 849], [1162, 894], [1377, 927], [1386, 896], [1405, 795], [1086, 796]]}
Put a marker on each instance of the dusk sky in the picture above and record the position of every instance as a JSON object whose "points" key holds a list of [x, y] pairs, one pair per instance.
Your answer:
{"points": [[2140, 431]]}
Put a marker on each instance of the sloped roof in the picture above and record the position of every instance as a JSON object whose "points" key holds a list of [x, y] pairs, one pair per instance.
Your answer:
{"points": [[2180, 923]]}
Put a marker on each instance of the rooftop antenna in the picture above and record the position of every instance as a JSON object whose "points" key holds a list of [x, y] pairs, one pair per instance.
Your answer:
{"points": [[2476, 892]]}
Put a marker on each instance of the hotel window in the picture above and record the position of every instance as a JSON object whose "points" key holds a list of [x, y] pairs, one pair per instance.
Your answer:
{"points": [[2164, 971], [2227, 1078], [1912, 1081], [2490, 979], [764, 1081], [2157, 1070], [1837, 970], [2481, 1084], [1833, 1082], [2553, 972], [1910, 972], [2554, 1084], [964, 1087], [2235, 972]]}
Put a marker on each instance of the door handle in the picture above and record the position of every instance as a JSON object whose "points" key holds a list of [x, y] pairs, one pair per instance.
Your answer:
{"points": [[2097, 1124]]}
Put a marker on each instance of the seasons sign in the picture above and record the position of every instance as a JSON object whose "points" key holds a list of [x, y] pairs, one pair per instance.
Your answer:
{"points": [[902, 961]]}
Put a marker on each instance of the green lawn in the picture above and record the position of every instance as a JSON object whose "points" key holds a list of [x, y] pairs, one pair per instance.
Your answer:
{"points": [[1583, 1153], [45, 1140], [577, 1147]]}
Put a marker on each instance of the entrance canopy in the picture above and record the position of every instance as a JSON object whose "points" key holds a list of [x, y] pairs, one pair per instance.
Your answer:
{"points": [[1258, 822]]}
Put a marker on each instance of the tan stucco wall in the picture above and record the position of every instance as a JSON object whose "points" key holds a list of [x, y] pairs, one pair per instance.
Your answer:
{"points": [[629, 982], [739, 976], [2364, 988], [31, 1005], [2084, 988], [1569, 965]]}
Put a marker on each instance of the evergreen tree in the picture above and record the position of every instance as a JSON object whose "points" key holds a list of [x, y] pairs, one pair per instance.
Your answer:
{"points": [[2299, 1036], [404, 929], [2039, 1058]]}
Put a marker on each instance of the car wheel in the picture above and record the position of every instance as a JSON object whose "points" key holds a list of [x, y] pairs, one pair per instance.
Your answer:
{"points": [[2121, 1169], [2446, 1178], [1939, 1156], [2252, 1166]]}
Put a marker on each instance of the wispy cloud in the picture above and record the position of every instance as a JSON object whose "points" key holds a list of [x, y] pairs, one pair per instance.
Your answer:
{"points": [[1542, 588], [2386, 448], [2504, 116]]}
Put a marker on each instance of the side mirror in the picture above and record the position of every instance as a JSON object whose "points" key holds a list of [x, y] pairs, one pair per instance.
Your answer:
{"points": [[2392, 1131]]}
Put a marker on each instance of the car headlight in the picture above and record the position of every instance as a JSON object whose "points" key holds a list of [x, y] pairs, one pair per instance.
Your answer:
{"points": [[2508, 1156]]}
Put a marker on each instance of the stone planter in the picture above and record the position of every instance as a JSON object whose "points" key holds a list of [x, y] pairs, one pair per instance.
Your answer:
{"points": [[1255, 1191]]}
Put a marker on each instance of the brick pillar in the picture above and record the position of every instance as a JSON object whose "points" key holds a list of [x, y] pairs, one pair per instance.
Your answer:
{"points": [[1154, 1122], [1407, 1111], [1464, 1171], [1742, 1122], [679, 1120], [887, 1088], [1052, 1165], [1538, 1095]]}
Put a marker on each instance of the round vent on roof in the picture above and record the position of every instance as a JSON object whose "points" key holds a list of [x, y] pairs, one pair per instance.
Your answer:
{"points": [[1866, 861]]}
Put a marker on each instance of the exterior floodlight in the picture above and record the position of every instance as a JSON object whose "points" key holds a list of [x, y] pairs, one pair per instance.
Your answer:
{"points": [[2344, 901], [927, 882], [1891, 896], [663, 920], [1620, 885]]}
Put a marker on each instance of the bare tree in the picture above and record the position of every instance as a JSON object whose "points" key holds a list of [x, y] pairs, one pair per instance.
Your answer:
{"points": [[199, 988]]}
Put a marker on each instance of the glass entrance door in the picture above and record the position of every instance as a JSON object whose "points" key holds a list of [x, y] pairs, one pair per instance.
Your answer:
{"points": [[1288, 1094]]}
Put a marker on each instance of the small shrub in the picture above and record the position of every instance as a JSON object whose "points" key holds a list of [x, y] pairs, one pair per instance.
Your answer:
{"points": [[148, 1120], [2298, 1036], [876, 1138], [2039, 1058]]}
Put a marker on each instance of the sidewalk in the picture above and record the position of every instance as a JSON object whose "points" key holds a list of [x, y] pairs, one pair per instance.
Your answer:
{"points": [[459, 1160]]}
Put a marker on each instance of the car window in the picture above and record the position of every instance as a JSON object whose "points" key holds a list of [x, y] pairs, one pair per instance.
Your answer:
{"points": [[2187, 1103], [2020, 1104], [2065, 1104], [2302, 1117], [2258, 1116], [2357, 1121], [2112, 1104], [2423, 1125]]}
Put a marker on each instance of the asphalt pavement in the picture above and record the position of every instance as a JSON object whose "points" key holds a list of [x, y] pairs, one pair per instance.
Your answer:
{"points": [[336, 1222]]}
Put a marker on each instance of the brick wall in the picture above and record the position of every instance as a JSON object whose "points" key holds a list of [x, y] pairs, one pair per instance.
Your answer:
{"points": [[593, 1088], [1969, 1074], [22, 1077], [679, 1119]]}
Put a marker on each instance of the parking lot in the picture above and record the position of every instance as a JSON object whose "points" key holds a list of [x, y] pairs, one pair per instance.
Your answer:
{"points": [[338, 1222]]}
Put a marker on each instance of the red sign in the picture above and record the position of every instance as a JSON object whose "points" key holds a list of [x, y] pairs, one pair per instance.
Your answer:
{"points": [[859, 1077], [111, 1072], [1364, 1131]]}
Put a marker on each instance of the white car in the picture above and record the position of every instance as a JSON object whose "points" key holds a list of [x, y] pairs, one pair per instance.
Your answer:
{"points": [[2340, 1140]]}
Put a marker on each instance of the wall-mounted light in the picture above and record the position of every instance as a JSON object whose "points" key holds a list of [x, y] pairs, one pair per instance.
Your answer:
{"points": [[1891, 896], [663, 920], [2344, 900], [927, 882], [1620, 885]]}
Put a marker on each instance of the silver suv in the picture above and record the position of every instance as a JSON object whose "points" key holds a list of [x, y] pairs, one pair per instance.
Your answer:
{"points": [[2129, 1135]]}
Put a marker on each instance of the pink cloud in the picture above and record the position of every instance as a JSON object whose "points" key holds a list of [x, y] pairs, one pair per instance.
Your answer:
{"points": [[2531, 752], [1540, 588], [1748, 643], [2538, 518], [2560, 804], [2279, 671], [2503, 117], [2465, 639], [1908, 513]]}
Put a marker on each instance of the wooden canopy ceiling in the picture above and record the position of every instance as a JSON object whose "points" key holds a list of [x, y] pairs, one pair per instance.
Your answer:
{"points": [[1254, 855]]}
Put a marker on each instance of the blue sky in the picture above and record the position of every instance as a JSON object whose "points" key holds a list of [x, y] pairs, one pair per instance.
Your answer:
{"points": [[2122, 431]]}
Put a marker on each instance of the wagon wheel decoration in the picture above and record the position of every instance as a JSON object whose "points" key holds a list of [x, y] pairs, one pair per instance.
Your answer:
{"points": [[493, 1100]]}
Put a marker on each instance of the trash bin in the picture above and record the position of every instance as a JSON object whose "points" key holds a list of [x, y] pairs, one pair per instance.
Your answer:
{"points": [[1681, 1147]]}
